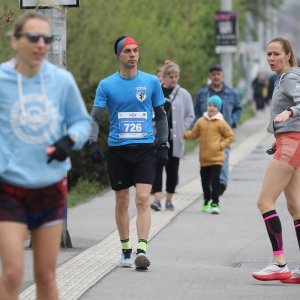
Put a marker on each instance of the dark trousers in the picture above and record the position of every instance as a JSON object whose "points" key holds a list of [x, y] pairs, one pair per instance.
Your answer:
{"points": [[171, 173], [210, 179]]}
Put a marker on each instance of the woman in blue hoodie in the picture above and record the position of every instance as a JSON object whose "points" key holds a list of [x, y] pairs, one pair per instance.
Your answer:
{"points": [[43, 118]]}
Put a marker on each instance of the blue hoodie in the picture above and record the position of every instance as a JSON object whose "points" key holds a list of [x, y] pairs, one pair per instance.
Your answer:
{"points": [[36, 112]]}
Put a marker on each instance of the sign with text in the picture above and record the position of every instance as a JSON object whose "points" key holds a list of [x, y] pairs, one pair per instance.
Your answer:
{"points": [[225, 26], [47, 3]]}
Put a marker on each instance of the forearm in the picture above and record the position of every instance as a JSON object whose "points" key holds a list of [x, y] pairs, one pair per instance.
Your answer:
{"points": [[190, 135], [161, 121], [96, 114]]}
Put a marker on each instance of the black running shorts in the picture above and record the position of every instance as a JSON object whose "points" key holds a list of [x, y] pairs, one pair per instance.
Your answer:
{"points": [[131, 164]]}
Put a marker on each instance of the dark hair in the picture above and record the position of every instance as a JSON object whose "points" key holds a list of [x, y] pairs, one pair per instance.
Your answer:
{"points": [[288, 49], [215, 68], [121, 37]]}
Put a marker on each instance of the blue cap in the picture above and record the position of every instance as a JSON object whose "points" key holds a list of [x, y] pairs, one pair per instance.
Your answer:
{"points": [[216, 100]]}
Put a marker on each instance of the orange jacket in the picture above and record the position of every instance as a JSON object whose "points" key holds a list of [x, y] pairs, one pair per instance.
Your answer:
{"points": [[214, 136]]}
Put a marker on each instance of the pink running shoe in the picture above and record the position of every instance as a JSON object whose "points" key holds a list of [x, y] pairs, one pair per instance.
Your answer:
{"points": [[272, 272], [295, 277]]}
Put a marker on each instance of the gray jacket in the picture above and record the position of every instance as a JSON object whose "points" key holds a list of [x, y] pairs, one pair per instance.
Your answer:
{"points": [[182, 118], [286, 95]]}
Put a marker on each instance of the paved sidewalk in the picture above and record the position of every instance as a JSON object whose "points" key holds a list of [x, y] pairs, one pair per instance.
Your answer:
{"points": [[193, 255]]}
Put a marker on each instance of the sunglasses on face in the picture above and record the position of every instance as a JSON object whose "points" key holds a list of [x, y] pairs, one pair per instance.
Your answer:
{"points": [[35, 37]]}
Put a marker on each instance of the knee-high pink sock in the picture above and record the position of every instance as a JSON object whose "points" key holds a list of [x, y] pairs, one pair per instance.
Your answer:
{"points": [[297, 228], [274, 229]]}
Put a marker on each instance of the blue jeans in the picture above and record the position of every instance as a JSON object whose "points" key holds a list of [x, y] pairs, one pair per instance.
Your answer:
{"points": [[225, 167]]}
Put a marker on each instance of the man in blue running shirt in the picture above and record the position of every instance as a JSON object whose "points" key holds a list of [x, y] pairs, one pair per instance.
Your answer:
{"points": [[131, 97]]}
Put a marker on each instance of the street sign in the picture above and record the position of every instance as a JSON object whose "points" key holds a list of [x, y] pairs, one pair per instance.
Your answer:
{"points": [[225, 26], [47, 3]]}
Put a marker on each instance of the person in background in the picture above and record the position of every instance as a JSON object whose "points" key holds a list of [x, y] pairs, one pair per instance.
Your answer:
{"points": [[260, 91], [131, 97], [159, 70], [231, 110], [283, 171], [43, 118], [180, 113], [158, 73], [271, 85], [214, 136]]}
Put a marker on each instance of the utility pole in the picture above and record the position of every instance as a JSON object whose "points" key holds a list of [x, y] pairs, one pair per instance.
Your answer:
{"points": [[57, 53], [226, 55], [226, 58]]}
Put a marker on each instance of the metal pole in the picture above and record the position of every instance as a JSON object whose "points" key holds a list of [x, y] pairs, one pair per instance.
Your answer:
{"points": [[58, 49], [226, 58], [58, 55]]}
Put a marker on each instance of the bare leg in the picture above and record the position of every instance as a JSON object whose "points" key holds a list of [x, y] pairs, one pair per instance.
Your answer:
{"points": [[45, 246], [169, 197], [143, 219], [277, 177], [292, 193], [12, 236], [121, 213], [157, 196]]}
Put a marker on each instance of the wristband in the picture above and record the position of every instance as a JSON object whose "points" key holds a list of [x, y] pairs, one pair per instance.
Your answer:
{"points": [[292, 112]]}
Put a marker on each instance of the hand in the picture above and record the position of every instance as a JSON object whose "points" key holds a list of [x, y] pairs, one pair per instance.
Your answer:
{"points": [[61, 149], [282, 116], [163, 155], [96, 154]]}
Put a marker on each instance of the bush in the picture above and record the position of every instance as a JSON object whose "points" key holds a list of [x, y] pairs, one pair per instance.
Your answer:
{"points": [[82, 166]]}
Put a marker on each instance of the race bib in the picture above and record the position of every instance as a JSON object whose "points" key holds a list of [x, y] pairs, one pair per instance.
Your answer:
{"points": [[132, 125]]}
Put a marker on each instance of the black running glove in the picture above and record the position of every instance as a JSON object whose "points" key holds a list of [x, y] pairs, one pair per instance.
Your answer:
{"points": [[61, 149], [96, 154], [163, 154], [272, 150]]}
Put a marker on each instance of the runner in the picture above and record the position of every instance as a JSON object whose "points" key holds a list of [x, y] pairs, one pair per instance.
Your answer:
{"points": [[41, 107], [131, 97], [283, 172]]}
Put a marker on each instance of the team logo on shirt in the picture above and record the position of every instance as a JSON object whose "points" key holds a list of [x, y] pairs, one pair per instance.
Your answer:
{"points": [[141, 93], [34, 119]]}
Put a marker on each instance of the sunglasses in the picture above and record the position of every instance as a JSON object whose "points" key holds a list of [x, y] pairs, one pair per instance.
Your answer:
{"points": [[35, 37]]}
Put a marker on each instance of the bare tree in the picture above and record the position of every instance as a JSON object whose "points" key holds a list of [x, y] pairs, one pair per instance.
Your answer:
{"points": [[6, 17]]}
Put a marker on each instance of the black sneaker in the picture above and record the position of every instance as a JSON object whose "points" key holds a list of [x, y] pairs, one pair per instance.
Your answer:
{"points": [[141, 262], [222, 188], [215, 210]]}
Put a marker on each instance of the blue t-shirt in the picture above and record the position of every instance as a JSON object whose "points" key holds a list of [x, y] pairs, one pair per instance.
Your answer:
{"points": [[130, 102]]}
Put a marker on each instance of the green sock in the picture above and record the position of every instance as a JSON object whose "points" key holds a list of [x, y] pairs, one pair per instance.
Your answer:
{"points": [[125, 244], [142, 245]]}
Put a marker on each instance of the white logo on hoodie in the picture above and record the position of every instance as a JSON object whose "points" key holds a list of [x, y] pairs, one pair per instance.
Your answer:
{"points": [[34, 118]]}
